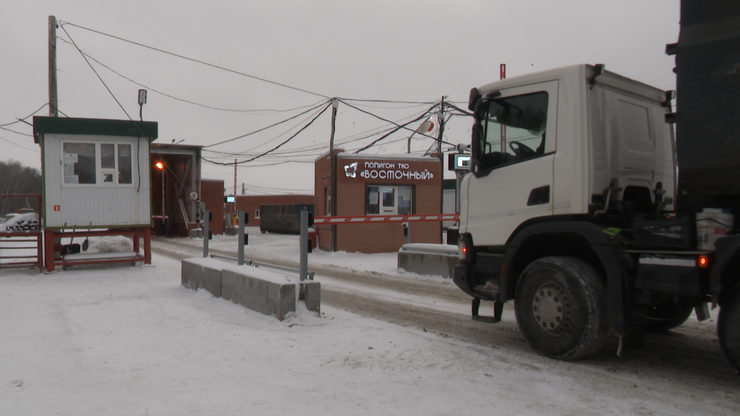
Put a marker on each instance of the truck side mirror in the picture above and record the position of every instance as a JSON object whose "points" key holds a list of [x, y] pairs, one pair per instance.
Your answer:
{"points": [[473, 99]]}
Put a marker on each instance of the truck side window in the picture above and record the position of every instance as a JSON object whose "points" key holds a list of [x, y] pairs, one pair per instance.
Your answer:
{"points": [[514, 130]]}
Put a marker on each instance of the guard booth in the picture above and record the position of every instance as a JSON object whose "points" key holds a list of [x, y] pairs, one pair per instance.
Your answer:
{"points": [[370, 186], [96, 182]]}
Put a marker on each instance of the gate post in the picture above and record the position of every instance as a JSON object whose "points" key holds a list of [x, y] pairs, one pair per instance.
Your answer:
{"points": [[49, 249]]}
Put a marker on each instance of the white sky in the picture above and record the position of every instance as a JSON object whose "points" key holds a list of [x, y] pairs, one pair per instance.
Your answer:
{"points": [[412, 50]]}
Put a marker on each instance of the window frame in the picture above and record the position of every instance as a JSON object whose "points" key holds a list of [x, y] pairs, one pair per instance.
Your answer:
{"points": [[100, 171], [504, 155], [380, 190]]}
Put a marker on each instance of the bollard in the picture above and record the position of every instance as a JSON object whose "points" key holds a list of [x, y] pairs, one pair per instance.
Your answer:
{"points": [[304, 245], [240, 248], [206, 216]]}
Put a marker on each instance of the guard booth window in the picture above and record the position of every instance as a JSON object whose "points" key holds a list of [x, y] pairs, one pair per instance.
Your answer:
{"points": [[80, 163], [514, 130], [388, 200]]}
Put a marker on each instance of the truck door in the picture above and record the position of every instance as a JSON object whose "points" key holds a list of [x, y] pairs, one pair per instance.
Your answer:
{"points": [[513, 179]]}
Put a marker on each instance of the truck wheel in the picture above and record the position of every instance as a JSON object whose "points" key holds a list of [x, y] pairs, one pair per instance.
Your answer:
{"points": [[728, 327], [668, 316], [560, 307]]}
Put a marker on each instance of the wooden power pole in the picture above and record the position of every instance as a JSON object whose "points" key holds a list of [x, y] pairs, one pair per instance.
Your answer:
{"points": [[53, 109], [441, 160], [333, 159]]}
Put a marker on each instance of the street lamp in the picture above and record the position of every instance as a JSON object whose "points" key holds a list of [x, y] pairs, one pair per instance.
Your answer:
{"points": [[160, 167], [142, 101]]}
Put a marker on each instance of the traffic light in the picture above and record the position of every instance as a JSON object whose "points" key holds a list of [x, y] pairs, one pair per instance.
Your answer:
{"points": [[159, 165]]}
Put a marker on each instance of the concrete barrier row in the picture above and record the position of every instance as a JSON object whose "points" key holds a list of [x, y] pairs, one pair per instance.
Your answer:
{"points": [[257, 288]]}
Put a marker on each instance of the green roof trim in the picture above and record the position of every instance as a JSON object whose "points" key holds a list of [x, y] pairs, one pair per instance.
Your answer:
{"points": [[93, 126]]}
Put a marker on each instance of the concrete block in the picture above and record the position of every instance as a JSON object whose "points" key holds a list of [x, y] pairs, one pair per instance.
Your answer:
{"points": [[310, 294], [191, 274], [436, 259], [260, 289], [232, 286], [212, 280], [195, 275]]}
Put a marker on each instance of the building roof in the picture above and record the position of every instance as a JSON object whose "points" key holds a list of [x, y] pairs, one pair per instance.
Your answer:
{"points": [[93, 126]]}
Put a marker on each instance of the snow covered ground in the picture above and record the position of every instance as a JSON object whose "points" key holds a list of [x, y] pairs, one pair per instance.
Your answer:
{"points": [[132, 341]]}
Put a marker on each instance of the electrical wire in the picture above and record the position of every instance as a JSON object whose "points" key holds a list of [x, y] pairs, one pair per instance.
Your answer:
{"points": [[20, 120], [266, 127], [96, 72], [317, 148], [198, 61], [399, 127], [388, 101], [16, 132], [279, 145], [460, 110], [17, 145], [386, 120], [187, 101]]}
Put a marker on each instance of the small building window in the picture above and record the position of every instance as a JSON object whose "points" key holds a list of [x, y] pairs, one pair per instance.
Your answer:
{"points": [[256, 214], [388, 200], [80, 163], [124, 164]]}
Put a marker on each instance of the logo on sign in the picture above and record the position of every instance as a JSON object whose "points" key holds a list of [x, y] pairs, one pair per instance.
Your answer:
{"points": [[57, 208], [351, 170]]}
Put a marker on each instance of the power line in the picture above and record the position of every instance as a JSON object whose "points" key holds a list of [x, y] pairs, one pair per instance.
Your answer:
{"points": [[278, 146], [399, 126], [20, 120], [184, 100], [17, 145], [96, 72], [198, 61], [16, 132], [266, 127], [388, 101]]}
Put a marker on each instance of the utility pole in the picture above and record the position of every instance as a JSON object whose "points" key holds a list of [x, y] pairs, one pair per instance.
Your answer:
{"points": [[234, 182], [441, 159], [53, 109], [333, 160]]}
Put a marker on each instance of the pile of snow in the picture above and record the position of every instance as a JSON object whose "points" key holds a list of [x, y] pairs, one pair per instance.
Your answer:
{"points": [[109, 244], [21, 222]]}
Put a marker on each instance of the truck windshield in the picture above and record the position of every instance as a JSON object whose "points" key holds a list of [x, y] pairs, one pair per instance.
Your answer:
{"points": [[513, 129]]}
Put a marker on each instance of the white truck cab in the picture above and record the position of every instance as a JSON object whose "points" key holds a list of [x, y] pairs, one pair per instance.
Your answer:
{"points": [[573, 174], [567, 141]]}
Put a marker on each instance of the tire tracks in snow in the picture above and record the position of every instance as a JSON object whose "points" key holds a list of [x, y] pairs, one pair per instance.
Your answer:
{"points": [[687, 359]]}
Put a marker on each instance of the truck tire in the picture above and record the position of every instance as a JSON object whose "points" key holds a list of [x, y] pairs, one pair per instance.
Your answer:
{"points": [[728, 327], [677, 314], [560, 307]]}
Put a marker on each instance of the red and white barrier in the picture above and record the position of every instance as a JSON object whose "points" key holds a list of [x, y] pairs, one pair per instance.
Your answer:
{"points": [[385, 218]]}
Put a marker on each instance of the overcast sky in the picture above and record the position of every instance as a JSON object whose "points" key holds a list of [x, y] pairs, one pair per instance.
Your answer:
{"points": [[397, 50]]}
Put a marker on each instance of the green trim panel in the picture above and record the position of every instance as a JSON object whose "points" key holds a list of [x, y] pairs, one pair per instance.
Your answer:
{"points": [[93, 126]]}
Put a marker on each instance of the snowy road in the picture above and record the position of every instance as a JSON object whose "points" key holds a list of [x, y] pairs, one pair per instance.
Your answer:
{"points": [[686, 362], [132, 341]]}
